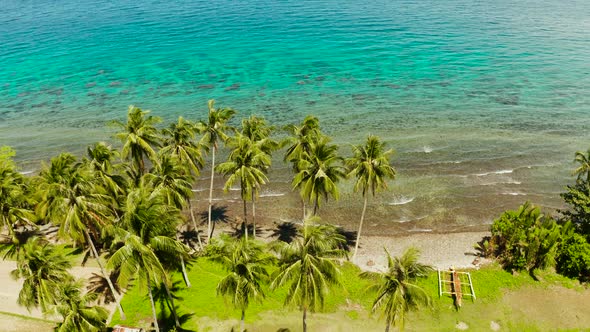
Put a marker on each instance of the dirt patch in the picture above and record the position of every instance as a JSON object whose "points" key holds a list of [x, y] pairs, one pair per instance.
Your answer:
{"points": [[552, 308]]}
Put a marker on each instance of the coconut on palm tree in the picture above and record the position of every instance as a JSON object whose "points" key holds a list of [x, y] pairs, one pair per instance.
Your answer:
{"points": [[319, 173], [247, 165], [246, 261], [214, 130], [77, 309], [370, 165], [397, 292], [307, 265]]}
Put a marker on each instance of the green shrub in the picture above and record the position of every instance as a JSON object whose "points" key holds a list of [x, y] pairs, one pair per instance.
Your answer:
{"points": [[524, 239], [573, 257]]}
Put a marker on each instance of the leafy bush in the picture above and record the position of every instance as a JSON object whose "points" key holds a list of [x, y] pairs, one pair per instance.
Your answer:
{"points": [[578, 199], [573, 257], [524, 239]]}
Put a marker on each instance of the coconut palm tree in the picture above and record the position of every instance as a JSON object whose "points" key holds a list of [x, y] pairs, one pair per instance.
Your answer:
{"points": [[300, 139], [139, 137], [77, 310], [72, 198], [44, 268], [307, 265], [169, 180], [245, 261], [247, 165], [257, 130], [100, 157], [179, 143], [397, 292], [14, 206], [370, 165], [214, 130], [584, 165], [319, 172], [146, 236]]}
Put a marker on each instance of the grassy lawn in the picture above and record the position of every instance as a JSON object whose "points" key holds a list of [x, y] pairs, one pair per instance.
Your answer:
{"points": [[347, 308]]}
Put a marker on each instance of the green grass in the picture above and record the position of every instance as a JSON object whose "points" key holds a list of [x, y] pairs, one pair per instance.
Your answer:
{"points": [[352, 300]]}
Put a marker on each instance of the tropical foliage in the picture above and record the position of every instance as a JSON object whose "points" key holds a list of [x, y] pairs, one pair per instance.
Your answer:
{"points": [[397, 291]]}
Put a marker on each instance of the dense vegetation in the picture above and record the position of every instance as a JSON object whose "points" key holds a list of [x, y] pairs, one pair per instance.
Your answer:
{"points": [[124, 208]]}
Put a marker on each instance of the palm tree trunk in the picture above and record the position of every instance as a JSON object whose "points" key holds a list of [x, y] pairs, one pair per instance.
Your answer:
{"points": [[316, 204], [358, 234], [243, 323], [387, 324], [303, 206], [304, 319], [156, 326], [253, 216], [245, 223], [105, 275], [172, 302], [209, 221], [190, 207], [184, 274]]}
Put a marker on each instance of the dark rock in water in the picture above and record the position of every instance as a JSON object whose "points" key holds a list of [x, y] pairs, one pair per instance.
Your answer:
{"points": [[320, 78], [445, 84], [261, 94], [310, 102], [234, 86], [206, 86], [115, 83], [124, 92], [392, 86], [22, 94], [90, 85], [100, 72], [507, 100], [43, 104], [302, 82], [90, 94]]}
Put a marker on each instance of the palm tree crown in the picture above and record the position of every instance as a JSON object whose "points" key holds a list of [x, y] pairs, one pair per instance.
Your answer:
{"points": [[397, 293], [584, 168], [77, 310], [319, 172], [307, 265]]}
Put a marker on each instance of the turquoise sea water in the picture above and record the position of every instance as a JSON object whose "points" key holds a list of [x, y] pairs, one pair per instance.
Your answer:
{"points": [[485, 102]]}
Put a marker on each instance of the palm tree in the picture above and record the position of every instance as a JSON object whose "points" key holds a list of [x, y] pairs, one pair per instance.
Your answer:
{"points": [[307, 265], [584, 168], [139, 137], [318, 173], [174, 185], [14, 207], [179, 143], [246, 262], [301, 138], [76, 309], [370, 165], [397, 292], [73, 199], [214, 131], [259, 132], [44, 268], [100, 162], [247, 164], [146, 236]]}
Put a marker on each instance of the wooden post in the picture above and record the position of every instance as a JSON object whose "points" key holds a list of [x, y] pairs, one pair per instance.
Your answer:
{"points": [[471, 286]]}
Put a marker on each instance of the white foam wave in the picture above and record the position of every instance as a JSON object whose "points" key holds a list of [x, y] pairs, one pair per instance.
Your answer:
{"points": [[402, 200], [26, 172], [427, 149], [198, 190], [514, 194], [501, 182], [503, 171], [271, 194]]}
